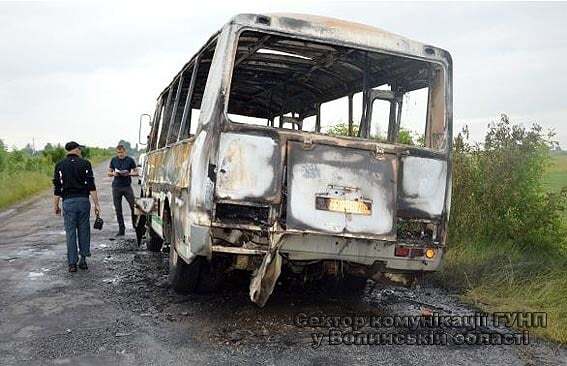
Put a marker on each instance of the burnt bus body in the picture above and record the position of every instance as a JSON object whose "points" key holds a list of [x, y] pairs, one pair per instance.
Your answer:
{"points": [[249, 166]]}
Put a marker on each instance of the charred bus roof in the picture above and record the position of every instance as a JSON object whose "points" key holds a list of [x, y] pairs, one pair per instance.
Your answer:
{"points": [[339, 31], [334, 31]]}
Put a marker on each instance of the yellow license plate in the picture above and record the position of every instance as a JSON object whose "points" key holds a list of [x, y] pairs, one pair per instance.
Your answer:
{"points": [[359, 207]]}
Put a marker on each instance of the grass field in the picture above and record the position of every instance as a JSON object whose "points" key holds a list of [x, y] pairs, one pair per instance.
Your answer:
{"points": [[19, 185], [501, 277], [556, 177]]}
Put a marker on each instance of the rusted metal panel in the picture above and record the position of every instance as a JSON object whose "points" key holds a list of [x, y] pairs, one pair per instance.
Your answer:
{"points": [[311, 171], [264, 280], [170, 166], [154, 166], [177, 165], [436, 128]]}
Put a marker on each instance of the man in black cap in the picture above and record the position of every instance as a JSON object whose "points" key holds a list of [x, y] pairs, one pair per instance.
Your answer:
{"points": [[73, 181], [122, 168]]}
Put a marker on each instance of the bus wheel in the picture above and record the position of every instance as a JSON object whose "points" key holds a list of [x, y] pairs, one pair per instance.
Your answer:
{"points": [[140, 228], [183, 276], [154, 243]]}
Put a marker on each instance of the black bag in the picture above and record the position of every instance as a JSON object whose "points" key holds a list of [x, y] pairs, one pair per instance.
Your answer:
{"points": [[98, 223]]}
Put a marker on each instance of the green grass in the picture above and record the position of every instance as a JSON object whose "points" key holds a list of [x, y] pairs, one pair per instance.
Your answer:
{"points": [[556, 177], [499, 276], [18, 185]]}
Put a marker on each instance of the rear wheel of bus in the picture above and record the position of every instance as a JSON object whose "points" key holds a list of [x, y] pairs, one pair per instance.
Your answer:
{"points": [[154, 242], [183, 276]]}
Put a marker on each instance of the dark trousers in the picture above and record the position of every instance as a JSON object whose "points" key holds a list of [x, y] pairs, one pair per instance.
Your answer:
{"points": [[117, 194], [76, 215]]}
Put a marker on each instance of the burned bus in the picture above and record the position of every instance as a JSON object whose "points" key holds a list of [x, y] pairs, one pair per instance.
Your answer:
{"points": [[303, 144]]}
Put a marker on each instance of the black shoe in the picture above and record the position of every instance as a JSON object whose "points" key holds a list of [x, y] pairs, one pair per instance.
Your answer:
{"points": [[120, 233], [72, 268], [83, 264]]}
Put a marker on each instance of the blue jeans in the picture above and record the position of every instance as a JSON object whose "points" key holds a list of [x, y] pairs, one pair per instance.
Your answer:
{"points": [[76, 215]]}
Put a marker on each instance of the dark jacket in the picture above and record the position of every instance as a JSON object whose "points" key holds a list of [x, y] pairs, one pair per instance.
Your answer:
{"points": [[73, 177]]}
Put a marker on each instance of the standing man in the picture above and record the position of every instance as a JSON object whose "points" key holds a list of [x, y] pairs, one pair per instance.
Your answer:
{"points": [[122, 168], [73, 181]]}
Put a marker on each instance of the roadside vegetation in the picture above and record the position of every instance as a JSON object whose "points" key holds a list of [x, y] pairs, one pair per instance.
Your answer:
{"points": [[556, 176], [507, 248], [25, 172], [405, 136]]}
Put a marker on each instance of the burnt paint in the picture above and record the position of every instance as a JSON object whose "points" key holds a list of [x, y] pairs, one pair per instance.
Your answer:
{"points": [[311, 171], [412, 201], [248, 168]]}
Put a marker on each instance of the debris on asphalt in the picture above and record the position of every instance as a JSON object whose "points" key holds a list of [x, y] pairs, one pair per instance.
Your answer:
{"points": [[119, 334]]}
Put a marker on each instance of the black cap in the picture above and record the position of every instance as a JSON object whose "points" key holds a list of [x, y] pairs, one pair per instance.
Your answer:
{"points": [[72, 145]]}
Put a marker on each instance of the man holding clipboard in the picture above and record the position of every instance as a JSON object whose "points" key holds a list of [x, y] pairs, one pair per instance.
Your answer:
{"points": [[122, 168]]}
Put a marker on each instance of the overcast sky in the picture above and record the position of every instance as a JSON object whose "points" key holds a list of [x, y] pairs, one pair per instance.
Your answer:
{"points": [[86, 71]]}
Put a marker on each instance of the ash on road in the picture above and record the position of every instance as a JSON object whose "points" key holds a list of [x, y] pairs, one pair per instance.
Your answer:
{"points": [[121, 311]]}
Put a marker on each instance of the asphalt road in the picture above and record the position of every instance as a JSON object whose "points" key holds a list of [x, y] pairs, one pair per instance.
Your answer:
{"points": [[121, 311]]}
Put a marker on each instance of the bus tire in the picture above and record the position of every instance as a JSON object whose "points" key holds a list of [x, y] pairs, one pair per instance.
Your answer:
{"points": [[154, 242], [183, 277]]}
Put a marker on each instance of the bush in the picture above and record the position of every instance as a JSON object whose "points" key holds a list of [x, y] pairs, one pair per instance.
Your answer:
{"points": [[341, 129], [498, 193], [54, 153], [405, 136], [3, 156], [506, 246]]}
